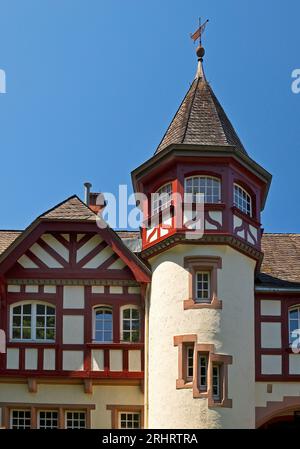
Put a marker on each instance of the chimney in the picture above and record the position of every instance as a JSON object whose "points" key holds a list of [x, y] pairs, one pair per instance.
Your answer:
{"points": [[94, 200], [87, 190]]}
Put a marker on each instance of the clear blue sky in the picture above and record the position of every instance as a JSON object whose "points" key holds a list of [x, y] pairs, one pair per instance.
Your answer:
{"points": [[93, 84]]}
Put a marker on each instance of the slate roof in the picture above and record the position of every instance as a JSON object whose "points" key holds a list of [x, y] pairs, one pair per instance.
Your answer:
{"points": [[281, 264], [200, 120]]}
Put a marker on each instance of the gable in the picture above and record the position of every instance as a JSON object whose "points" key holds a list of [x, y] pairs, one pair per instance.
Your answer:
{"points": [[72, 251]]}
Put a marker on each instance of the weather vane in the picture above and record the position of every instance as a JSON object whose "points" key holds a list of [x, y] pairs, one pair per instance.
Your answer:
{"points": [[198, 33]]}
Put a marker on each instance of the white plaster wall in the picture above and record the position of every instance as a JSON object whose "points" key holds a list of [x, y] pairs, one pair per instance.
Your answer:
{"points": [[73, 328], [271, 364], [134, 360], [73, 360], [73, 297], [270, 307], [271, 335], [49, 359], [116, 359], [74, 394], [294, 363], [31, 356], [230, 329], [12, 358]]}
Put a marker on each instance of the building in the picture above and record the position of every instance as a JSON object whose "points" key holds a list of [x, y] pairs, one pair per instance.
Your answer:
{"points": [[125, 329]]}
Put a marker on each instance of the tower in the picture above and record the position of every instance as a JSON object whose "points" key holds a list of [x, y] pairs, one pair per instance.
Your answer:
{"points": [[200, 311]]}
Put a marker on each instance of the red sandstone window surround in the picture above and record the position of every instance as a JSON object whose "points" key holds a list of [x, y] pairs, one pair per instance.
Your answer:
{"points": [[126, 416], [202, 282], [210, 371]]}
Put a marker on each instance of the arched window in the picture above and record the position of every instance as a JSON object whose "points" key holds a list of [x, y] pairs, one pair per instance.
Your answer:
{"points": [[33, 321], [294, 324], [130, 324], [103, 324], [242, 199], [209, 186], [161, 199]]}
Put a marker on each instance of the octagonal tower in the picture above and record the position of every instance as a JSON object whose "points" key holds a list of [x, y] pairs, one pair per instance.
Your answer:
{"points": [[200, 311]]}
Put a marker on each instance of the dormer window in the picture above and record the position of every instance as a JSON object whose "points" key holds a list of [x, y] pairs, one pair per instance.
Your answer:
{"points": [[209, 186], [242, 199], [161, 199]]}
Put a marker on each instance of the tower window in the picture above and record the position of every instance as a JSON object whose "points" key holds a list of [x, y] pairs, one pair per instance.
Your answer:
{"points": [[209, 186], [202, 286], [189, 362], [216, 388], [203, 362], [162, 198], [242, 199]]}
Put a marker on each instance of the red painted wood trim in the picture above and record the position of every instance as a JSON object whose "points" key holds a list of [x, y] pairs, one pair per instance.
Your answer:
{"points": [[91, 255], [53, 253]]}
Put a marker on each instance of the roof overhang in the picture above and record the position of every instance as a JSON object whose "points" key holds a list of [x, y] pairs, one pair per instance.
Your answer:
{"points": [[188, 151]]}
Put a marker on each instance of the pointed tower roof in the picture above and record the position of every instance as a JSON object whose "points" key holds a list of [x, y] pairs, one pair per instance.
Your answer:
{"points": [[200, 119]]}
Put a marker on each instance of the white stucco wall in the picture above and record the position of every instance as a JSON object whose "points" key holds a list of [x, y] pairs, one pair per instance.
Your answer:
{"points": [[230, 329]]}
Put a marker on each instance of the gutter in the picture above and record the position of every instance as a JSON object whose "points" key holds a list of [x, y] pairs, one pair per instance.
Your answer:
{"points": [[277, 290]]}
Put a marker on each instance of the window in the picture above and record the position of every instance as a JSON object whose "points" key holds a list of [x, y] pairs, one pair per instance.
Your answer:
{"points": [[294, 324], [130, 324], [103, 329], [162, 198], [202, 372], [216, 382], [242, 199], [209, 186], [129, 420], [189, 362], [202, 282], [33, 322], [202, 286], [20, 419], [48, 419], [75, 420]]}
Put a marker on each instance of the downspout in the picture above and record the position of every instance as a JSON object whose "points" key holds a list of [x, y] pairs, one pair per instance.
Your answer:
{"points": [[146, 358]]}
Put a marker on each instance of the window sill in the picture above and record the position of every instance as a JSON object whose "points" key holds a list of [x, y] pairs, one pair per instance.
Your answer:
{"points": [[226, 403], [190, 303], [181, 383]]}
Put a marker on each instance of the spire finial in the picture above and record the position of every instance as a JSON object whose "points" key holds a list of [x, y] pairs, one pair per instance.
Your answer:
{"points": [[200, 52]]}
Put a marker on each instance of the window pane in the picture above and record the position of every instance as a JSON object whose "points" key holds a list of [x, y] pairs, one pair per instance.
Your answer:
{"points": [[40, 309], [27, 309]]}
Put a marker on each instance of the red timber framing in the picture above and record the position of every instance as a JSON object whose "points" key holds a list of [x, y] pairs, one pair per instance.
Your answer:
{"points": [[72, 272], [287, 300], [229, 172], [135, 269]]}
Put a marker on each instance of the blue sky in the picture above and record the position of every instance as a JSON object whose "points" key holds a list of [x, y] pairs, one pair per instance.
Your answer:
{"points": [[93, 84]]}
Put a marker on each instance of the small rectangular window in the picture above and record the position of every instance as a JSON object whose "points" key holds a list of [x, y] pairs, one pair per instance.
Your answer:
{"points": [[20, 419], [202, 286], [75, 420], [48, 419], [129, 420], [216, 382], [203, 362], [189, 362]]}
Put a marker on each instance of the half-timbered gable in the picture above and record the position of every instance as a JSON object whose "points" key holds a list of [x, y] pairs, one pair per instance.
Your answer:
{"points": [[72, 300]]}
